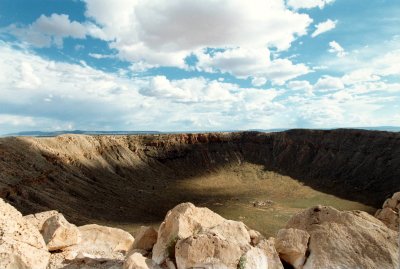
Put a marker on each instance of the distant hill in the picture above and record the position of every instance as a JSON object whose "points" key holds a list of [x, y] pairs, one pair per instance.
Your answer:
{"points": [[55, 133], [381, 128], [376, 128]]}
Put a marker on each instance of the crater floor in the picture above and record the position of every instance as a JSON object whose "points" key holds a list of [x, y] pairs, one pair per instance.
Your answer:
{"points": [[263, 200], [259, 178]]}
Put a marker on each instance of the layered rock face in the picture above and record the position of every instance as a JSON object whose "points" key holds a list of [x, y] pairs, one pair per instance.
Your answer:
{"points": [[77, 174], [40, 174]]}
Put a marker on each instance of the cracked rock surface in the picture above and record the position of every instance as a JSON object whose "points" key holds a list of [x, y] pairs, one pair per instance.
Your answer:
{"points": [[346, 239], [21, 244]]}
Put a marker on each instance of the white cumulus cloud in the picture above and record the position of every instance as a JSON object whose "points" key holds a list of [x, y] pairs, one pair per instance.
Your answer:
{"points": [[164, 33], [101, 56], [258, 82], [37, 93], [328, 83], [51, 30], [78, 96], [336, 48], [154, 33], [324, 27], [360, 76], [254, 63], [307, 4]]}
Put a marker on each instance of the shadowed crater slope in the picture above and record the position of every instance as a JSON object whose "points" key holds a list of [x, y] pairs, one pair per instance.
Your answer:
{"points": [[255, 177]]}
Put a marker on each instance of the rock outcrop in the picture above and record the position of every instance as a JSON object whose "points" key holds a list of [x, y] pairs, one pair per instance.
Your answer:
{"points": [[99, 247], [200, 238], [268, 246], [138, 261], [292, 245], [207, 250], [181, 222], [254, 258], [389, 214], [38, 174], [145, 238], [58, 233], [233, 231], [39, 219], [21, 244], [345, 239], [195, 237], [101, 241]]}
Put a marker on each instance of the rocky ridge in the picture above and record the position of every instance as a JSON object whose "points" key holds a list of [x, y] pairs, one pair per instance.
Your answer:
{"points": [[195, 237], [40, 174]]}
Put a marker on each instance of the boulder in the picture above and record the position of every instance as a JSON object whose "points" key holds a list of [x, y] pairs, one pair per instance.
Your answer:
{"points": [[255, 237], [138, 261], [169, 264], [389, 214], [292, 244], [226, 245], [268, 247], [145, 239], [389, 217], [21, 244], [390, 203], [233, 231], [207, 251], [182, 222], [137, 250], [346, 239], [39, 219], [58, 233], [254, 259], [101, 241]]}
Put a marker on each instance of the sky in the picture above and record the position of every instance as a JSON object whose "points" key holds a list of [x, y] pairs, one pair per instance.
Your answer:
{"points": [[190, 65]]}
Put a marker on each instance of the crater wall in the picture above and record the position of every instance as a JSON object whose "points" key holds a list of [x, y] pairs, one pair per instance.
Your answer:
{"points": [[119, 177]]}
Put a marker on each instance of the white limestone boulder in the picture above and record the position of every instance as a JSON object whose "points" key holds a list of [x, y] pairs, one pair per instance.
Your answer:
{"points": [[268, 247], [21, 244], [145, 238], [207, 251], [181, 222], [254, 259], [138, 261], [101, 241], [39, 218], [346, 239], [292, 245], [58, 233], [233, 231]]}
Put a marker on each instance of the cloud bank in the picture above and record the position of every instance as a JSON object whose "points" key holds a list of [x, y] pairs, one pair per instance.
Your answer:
{"points": [[48, 95]]}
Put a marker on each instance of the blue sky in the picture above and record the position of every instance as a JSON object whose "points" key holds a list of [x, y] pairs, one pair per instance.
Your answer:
{"points": [[208, 65]]}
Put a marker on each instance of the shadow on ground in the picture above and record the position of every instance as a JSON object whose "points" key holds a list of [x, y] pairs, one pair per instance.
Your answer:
{"points": [[131, 179]]}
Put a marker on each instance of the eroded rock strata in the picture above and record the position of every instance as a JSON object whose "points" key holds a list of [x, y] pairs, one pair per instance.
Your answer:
{"points": [[128, 179], [75, 174]]}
